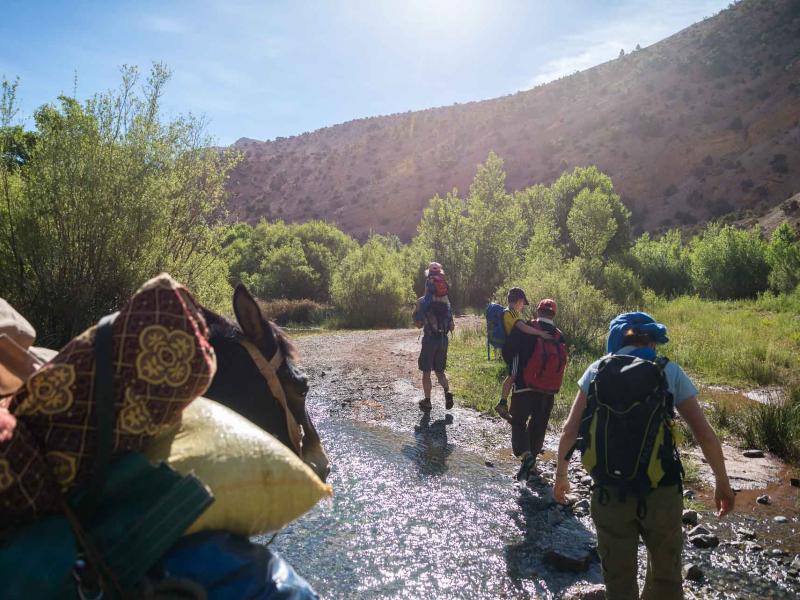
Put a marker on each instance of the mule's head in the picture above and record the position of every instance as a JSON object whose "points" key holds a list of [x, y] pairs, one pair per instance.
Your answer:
{"points": [[240, 385]]}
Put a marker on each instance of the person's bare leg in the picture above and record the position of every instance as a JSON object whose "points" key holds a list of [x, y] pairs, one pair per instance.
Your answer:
{"points": [[442, 380], [426, 383]]}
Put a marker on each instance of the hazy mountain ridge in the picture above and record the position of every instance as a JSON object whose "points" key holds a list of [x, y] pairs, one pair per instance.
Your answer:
{"points": [[702, 124]]}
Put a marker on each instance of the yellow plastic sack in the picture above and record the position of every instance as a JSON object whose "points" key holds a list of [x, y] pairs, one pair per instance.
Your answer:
{"points": [[259, 485]]}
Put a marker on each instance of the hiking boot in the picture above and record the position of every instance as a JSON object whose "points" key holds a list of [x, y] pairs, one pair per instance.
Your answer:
{"points": [[448, 400], [425, 404], [501, 408], [528, 463]]}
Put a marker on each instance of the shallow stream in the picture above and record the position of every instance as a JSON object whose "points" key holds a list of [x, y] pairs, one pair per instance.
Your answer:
{"points": [[425, 507]]}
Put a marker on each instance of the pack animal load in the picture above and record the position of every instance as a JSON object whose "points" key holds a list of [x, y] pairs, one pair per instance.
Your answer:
{"points": [[438, 284], [495, 330], [544, 370], [627, 436]]}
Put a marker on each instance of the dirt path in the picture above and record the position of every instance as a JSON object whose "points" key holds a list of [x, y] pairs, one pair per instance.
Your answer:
{"points": [[425, 506]]}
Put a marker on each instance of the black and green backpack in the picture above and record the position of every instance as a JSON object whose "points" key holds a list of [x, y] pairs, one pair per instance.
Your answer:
{"points": [[627, 437]]}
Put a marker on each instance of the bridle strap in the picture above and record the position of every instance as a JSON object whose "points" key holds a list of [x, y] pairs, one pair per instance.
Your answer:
{"points": [[269, 369]]}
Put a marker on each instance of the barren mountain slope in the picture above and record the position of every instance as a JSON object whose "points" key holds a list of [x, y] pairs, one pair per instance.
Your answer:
{"points": [[701, 124]]}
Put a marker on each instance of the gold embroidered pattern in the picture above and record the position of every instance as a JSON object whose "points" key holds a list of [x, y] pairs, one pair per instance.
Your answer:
{"points": [[64, 466], [49, 390], [165, 357], [6, 476], [134, 417]]}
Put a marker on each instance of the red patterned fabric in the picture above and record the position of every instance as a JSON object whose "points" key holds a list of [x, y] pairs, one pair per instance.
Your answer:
{"points": [[162, 361]]}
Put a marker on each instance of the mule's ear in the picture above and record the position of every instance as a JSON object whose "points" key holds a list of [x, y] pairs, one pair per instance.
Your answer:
{"points": [[248, 314]]}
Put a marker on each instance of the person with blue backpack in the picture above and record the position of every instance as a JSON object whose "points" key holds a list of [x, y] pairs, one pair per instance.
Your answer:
{"points": [[435, 316], [622, 422]]}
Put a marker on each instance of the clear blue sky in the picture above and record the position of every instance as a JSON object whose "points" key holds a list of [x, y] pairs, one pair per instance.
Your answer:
{"points": [[271, 68]]}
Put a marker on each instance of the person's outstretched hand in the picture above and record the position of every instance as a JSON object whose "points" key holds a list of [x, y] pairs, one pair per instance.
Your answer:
{"points": [[560, 489], [7, 425], [724, 498]]}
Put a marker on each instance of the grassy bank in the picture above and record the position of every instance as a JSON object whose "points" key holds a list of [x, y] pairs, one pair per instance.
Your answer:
{"points": [[743, 344]]}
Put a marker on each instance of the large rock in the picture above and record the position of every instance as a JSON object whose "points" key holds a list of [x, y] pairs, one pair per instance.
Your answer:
{"points": [[586, 591], [692, 572], [747, 534], [754, 453], [570, 563], [765, 499], [690, 517], [705, 541], [780, 519], [699, 530]]}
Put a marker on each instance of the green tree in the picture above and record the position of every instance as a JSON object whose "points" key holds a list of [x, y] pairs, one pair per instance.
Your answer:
{"points": [[285, 273], [591, 222], [497, 229], [567, 187], [783, 254], [729, 263], [663, 264], [369, 287], [100, 197], [446, 235]]}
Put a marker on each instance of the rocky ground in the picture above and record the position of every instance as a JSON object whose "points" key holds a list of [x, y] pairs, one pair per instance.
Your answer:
{"points": [[497, 537]]}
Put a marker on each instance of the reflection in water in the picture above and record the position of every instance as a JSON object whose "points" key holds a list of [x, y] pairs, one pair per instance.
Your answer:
{"points": [[432, 449]]}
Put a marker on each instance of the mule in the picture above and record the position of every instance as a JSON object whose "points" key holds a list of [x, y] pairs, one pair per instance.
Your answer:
{"points": [[242, 379]]}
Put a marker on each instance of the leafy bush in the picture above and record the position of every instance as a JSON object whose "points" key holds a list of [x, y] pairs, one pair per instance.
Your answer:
{"points": [[729, 263], [783, 254], [622, 286], [284, 273], [583, 311], [663, 264], [293, 311], [101, 196], [369, 288]]}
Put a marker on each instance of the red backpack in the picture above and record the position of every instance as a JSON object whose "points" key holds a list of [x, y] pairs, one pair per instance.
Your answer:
{"points": [[439, 284], [544, 370]]}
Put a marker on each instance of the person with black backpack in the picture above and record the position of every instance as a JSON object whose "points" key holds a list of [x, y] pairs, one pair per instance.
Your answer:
{"points": [[622, 423], [434, 315]]}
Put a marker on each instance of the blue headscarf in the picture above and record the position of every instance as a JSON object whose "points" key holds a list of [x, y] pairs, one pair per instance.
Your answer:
{"points": [[640, 323]]}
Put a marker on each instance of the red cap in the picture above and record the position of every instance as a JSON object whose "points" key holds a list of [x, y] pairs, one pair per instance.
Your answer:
{"points": [[548, 305]]}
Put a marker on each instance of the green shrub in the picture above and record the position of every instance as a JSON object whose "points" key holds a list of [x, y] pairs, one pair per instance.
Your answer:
{"points": [[663, 264], [622, 286], [583, 311], [783, 254], [285, 311], [369, 288], [729, 263]]}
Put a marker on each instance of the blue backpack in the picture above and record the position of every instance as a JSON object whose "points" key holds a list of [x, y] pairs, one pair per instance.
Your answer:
{"points": [[495, 330]]}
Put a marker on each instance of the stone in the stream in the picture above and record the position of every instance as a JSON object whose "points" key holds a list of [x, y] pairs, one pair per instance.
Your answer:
{"points": [[705, 541], [777, 552], [564, 562], [688, 494], [753, 547], [586, 480], [699, 530], [690, 517], [586, 591], [765, 499], [692, 572], [794, 567], [753, 453], [780, 519], [747, 534], [582, 505]]}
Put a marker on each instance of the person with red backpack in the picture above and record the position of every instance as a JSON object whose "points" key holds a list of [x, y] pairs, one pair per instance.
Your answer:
{"points": [[434, 315], [537, 374]]}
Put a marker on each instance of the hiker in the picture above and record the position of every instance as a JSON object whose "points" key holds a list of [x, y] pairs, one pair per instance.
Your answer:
{"points": [[639, 497], [435, 317], [536, 368]]}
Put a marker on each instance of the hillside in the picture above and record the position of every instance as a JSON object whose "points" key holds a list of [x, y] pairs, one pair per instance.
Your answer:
{"points": [[703, 124]]}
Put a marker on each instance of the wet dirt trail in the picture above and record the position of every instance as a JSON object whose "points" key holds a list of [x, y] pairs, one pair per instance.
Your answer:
{"points": [[425, 506]]}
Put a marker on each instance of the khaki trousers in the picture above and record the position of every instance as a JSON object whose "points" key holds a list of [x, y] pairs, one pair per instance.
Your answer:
{"points": [[618, 531]]}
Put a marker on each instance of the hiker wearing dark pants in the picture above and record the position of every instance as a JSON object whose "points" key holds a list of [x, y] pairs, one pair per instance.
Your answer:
{"points": [[623, 514], [436, 325], [530, 413]]}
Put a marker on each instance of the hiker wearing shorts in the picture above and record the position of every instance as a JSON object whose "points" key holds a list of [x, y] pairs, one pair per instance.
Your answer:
{"points": [[620, 515], [433, 354]]}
